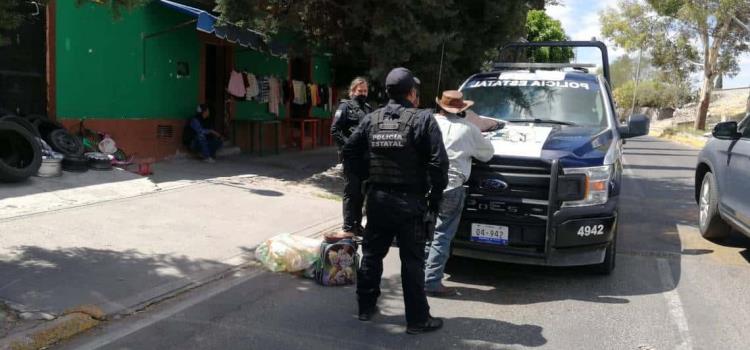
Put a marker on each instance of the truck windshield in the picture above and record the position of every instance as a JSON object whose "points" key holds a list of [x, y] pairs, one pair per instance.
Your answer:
{"points": [[564, 101]]}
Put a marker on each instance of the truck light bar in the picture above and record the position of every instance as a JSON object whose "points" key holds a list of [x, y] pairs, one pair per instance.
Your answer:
{"points": [[533, 66]]}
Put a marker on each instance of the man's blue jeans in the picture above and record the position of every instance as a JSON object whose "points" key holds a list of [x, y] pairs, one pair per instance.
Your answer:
{"points": [[445, 230], [206, 145]]}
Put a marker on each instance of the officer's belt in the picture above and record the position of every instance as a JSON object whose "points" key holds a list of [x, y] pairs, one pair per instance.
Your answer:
{"points": [[405, 189]]}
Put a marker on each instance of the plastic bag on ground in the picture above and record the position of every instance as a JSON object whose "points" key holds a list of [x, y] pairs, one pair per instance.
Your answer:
{"points": [[288, 253]]}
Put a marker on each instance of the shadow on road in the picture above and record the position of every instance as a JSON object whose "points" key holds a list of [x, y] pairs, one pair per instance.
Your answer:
{"points": [[54, 280], [279, 311], [656, 198]]}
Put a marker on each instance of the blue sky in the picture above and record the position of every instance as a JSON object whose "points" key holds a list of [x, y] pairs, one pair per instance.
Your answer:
{"points": [[580, 19]]}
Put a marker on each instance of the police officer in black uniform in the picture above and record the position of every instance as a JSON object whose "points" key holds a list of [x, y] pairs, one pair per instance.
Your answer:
{"points": [[348, 116], [408, 170]]}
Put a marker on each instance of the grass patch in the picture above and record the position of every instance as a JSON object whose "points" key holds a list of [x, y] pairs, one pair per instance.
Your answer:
{"points": [[685, 135], [329, 196]]}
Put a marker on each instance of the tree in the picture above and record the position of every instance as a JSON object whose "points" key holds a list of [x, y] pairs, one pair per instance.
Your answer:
{"points": [[374, 36], [667, 30], [541, 27], [14, 12], [623, 69], [659, 90]]}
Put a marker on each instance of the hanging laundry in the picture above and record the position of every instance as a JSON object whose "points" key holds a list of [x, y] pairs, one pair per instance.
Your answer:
{"points": [[330, 98], [315, 100], [300, 92], [264, 89], [323, 91], [274, 95], [252, 87], [236, 85], [308, 95]]}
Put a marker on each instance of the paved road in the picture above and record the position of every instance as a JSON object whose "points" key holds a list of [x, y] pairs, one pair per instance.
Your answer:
{"points": [[671, 290]]}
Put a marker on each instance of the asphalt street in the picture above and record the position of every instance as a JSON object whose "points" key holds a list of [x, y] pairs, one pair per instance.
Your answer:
{"points": [[671, 290]]}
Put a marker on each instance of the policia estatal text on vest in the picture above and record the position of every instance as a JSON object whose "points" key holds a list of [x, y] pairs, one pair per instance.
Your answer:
{"points": [[400, 149]]}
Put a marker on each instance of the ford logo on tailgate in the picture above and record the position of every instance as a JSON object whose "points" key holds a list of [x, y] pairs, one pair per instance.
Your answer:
{"points": [[493, 184]]}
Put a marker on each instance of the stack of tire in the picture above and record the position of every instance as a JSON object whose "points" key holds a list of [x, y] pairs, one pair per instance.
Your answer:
{"points": [[20, 151], [61, 141]]}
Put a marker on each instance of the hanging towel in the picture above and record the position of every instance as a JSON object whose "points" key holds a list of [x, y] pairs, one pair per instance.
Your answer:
{"points": [[314, 94], [300, 93], [236, 85], [252, 86], [264, 90], [330, 98], [274, 95]]}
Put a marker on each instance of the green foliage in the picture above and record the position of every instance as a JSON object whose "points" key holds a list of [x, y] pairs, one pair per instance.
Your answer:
{"points": [[683, 35], [651, 93], [371, 37], [623, 69], [117, 6], [541, 27], [14, 12]]}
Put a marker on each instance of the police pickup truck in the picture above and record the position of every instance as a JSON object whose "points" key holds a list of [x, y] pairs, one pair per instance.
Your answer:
{"points": [[549, 196]]}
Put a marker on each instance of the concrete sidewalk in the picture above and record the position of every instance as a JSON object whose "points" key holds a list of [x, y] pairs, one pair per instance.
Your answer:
{"points": [[149, 238]]}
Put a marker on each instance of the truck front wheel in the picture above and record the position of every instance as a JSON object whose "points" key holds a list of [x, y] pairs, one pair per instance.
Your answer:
{"points": [[608, 265]]}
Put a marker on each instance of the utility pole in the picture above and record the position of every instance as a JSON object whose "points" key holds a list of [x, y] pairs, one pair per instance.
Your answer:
{"points": [[637, 78], [440, 72]]}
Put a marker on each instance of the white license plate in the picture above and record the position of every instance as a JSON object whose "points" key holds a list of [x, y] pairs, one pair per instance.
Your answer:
{"points": [[492, 234]]}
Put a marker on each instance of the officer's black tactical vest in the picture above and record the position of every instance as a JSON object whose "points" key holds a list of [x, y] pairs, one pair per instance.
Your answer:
{"points": [[356, 114], [394, 159]]}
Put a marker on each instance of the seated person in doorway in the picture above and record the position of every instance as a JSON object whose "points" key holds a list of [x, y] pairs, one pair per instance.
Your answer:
{"points": [[198, 138]]}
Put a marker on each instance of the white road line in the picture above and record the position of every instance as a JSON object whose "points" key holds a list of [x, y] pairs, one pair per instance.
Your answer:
{"points": [[676, 311], [120, 333]]}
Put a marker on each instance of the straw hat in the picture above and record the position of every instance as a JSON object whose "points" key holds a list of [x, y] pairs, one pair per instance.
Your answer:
{"points": [[452, 101]]}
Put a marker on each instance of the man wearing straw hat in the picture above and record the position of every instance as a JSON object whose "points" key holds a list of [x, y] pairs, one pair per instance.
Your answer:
{"points": [[463, 141]]}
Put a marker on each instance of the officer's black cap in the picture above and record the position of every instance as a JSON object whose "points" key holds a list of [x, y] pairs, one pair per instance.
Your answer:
{"points": [[400, 81]]}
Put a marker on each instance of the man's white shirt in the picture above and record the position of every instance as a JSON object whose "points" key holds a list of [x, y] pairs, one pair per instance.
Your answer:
{"points": [[463, 141]]}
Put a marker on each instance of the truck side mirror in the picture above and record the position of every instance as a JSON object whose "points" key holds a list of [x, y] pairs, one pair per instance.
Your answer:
{"points": [[638, 125], [726, 131]]}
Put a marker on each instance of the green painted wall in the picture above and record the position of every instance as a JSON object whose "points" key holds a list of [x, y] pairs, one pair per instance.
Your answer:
{"points": [[321, 74], [260, 64], [100, 63]]}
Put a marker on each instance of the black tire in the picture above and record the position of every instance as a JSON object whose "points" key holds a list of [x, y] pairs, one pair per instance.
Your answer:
{"points": [[75, 163], [20, 153], [710, 223], [61, 141], [45, 127], [23, 122], [98, 161], [606, 267]]}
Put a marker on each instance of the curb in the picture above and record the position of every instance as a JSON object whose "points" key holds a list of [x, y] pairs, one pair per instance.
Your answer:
{"points": [[50, 333], [84, 317]]}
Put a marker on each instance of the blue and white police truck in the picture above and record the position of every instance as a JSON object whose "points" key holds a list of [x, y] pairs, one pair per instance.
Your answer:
{"points": [[550, 194]]}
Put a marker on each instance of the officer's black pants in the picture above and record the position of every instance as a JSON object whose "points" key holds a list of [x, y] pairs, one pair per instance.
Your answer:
{"points": [[353, 200], [396, 214]]}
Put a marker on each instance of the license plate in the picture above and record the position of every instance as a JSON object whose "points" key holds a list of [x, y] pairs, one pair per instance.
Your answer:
{"points": [[492, 234]]}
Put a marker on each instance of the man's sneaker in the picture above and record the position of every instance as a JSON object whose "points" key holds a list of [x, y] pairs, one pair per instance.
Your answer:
{"points": [[367, 314], [432, 324], [441, 292], [209, 160]]}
